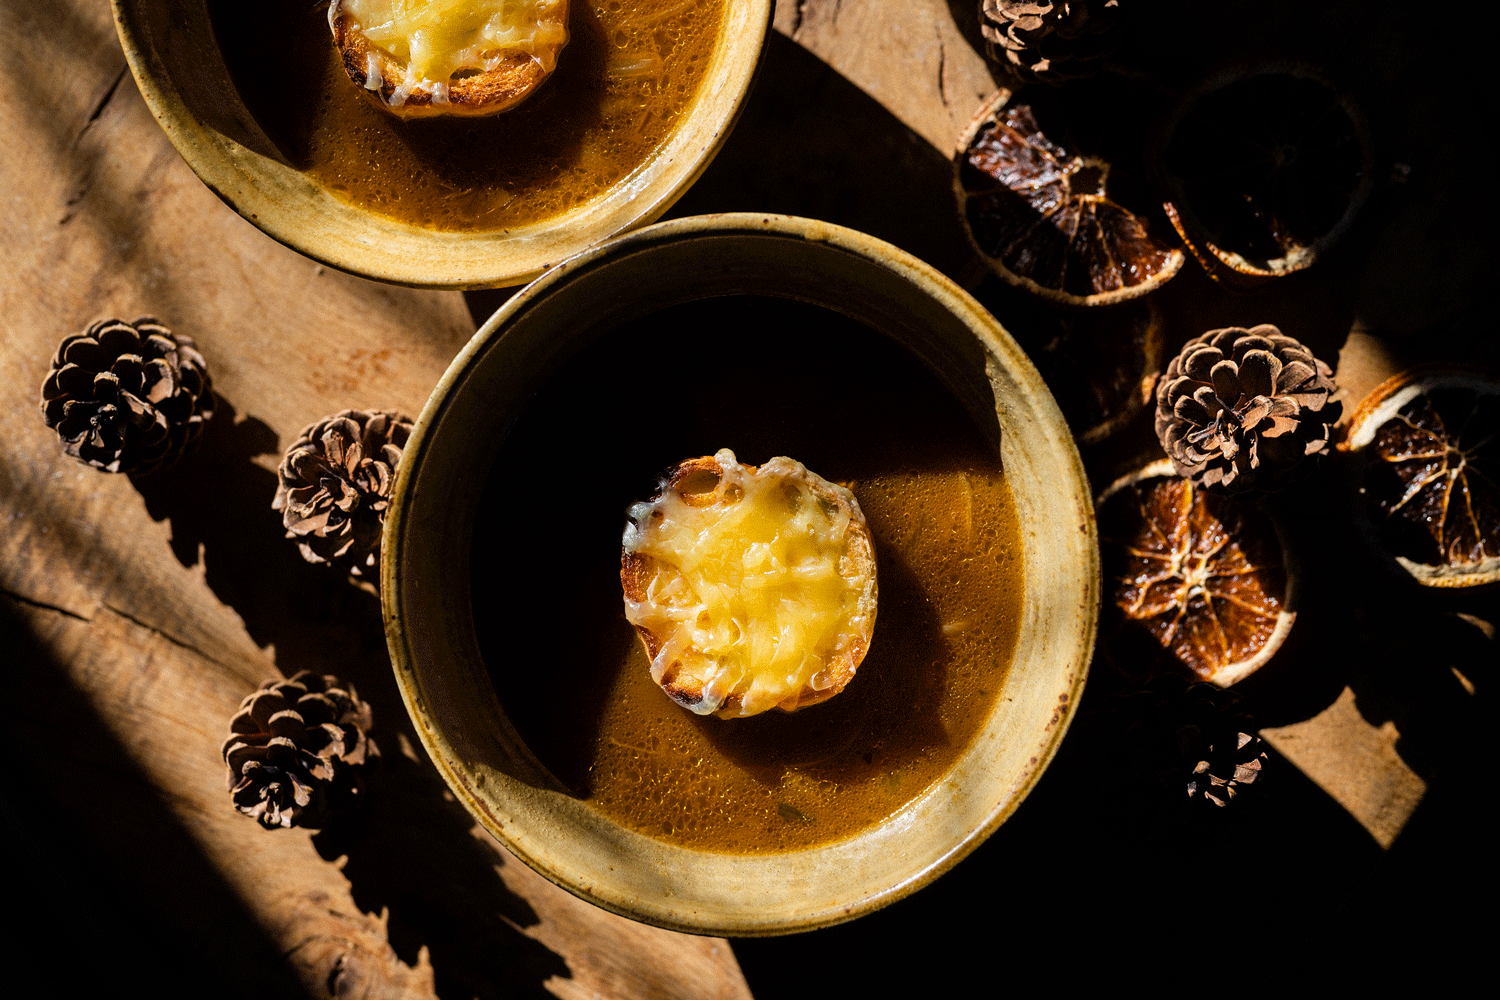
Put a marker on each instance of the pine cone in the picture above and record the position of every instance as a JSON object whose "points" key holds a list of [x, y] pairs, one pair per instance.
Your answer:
{"points": [[294, 751], [1195, 738], [1240, 411], [335, 486], [127, 397], [1050, 40]]}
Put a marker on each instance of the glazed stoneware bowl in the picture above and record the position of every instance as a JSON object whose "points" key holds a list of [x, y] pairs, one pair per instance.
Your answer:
{"points": [[429, 569], [175, 57]]}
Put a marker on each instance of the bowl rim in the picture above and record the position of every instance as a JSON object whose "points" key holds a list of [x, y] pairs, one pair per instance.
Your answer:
{"points": [[433, 258], [998, 346]]}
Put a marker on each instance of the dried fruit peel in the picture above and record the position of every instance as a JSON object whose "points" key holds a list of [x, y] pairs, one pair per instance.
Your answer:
{"points": [[1261, 169], [1039, 214], [1429, 465], [1210, 580]]}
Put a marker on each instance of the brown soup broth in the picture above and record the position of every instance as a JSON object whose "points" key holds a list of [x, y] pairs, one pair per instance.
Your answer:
{"points": [[762, 377], [629, 73]]}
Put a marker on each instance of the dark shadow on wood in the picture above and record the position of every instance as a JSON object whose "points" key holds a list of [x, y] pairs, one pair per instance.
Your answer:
{"points": [[101, 876], [811, 143], [1086, 883], [412, 849], [1419, 666], [483, 302]]}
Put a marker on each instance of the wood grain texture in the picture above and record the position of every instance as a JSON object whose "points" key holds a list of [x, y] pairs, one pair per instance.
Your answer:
{"points": [[912, 57], [1356, 763], [140, 611]]}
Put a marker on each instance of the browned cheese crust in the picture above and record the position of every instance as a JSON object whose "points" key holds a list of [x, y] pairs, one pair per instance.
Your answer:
{"points": [[474, 96], [637, 572]]}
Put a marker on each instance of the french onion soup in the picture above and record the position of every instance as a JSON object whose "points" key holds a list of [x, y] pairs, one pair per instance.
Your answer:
{"points": [[630, 72], [768, 377]]}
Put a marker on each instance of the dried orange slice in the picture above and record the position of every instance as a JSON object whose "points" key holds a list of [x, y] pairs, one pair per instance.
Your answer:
{"points": [[1205, 583], [1261, 169], [1429, 474], [1038, 212]]}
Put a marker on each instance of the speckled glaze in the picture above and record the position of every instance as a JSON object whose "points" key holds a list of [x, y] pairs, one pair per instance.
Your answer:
{"points": [[176, 63], [428, 537]]}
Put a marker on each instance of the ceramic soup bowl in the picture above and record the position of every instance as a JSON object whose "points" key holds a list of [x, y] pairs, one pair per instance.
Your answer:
{"points": [[500, 572], [244, 138]]}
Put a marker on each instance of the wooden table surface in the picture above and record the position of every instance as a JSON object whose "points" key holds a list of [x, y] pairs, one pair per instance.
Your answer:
{"points": [[136, 613]]}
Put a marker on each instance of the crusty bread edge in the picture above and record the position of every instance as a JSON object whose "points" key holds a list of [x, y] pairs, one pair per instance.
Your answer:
{"points": [[637, 571], [485, 93]]}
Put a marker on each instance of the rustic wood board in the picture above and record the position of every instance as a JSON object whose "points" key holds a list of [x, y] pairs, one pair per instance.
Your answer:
{"points": [[138, 612]]}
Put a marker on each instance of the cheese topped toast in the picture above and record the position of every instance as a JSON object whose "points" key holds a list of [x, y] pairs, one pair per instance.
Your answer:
{"points": [[425, 58], [751, 588]]}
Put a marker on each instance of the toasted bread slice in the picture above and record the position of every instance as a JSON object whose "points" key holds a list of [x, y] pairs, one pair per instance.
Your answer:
{"points": [[751, 588], [478, 74]]}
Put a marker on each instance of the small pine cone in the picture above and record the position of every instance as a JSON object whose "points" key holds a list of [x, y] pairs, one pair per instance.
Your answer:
{"points": [[127, 397], [294, 751], [1194, 738], [335, 486], [1240, 412], [1050, 40]]}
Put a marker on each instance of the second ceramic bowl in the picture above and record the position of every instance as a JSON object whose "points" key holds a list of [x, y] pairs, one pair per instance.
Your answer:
{"points": [[177, 53]]}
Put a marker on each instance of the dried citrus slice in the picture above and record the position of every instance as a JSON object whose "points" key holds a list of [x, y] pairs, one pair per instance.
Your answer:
{"points": [[1038, 212], [1429, 471], [1261, 169], [1204, 582]]}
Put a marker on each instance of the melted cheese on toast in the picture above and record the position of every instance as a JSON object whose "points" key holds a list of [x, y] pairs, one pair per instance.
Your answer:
{"points": [[435, 45], [752, 588]]}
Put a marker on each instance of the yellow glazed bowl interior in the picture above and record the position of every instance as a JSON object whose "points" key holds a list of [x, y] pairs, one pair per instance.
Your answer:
{"points": [[173, 53], [429, 541]]}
